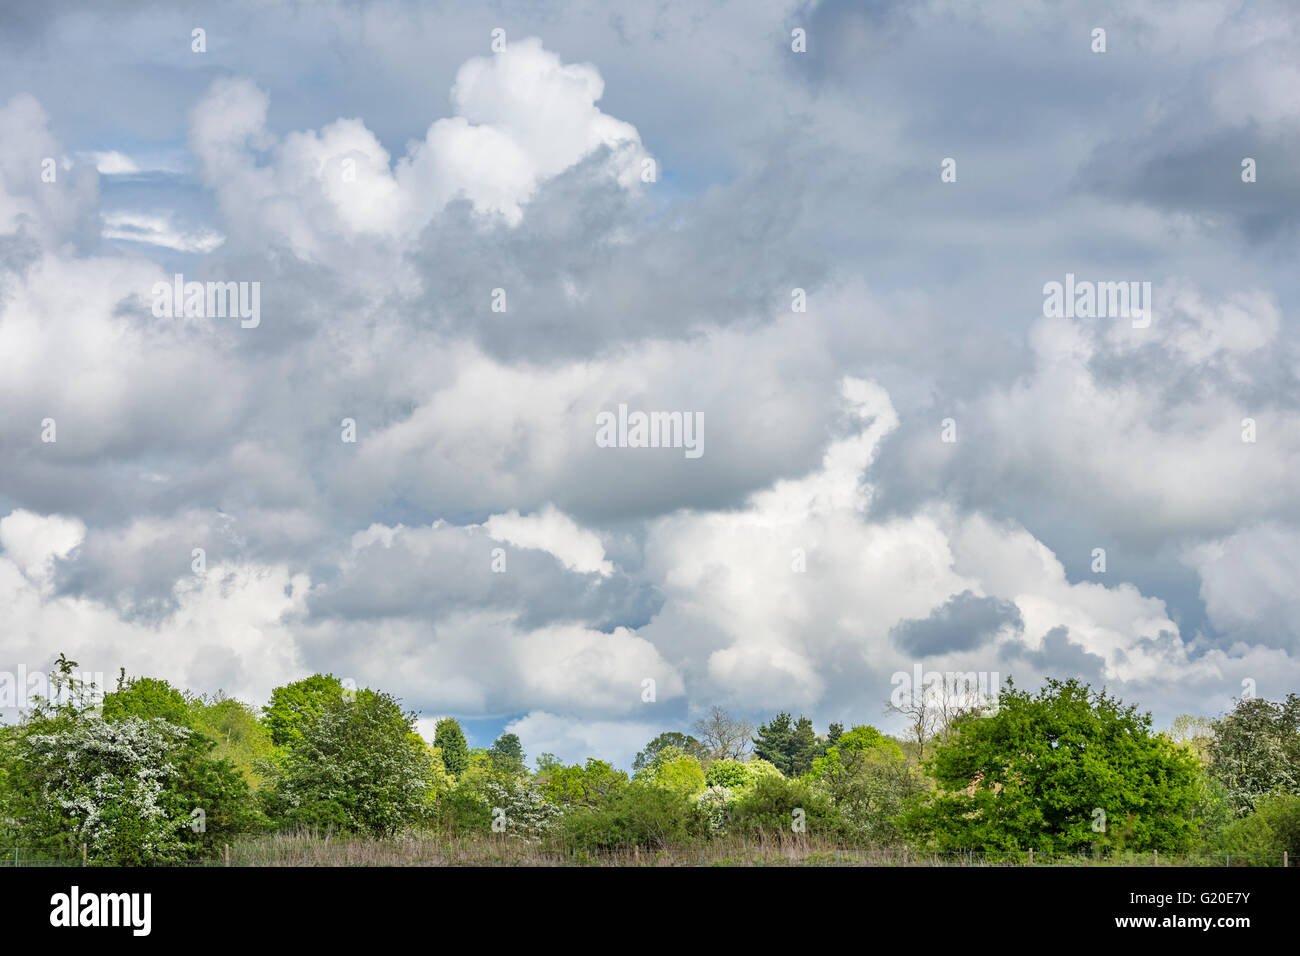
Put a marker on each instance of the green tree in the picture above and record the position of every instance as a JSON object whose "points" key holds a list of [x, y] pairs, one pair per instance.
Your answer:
{"points": [[358, 766], [293, 706], [806, 747], [507, 753], [683, 742], [775, 743], [450, 739], [580, 785], [146, 697], [867, 778], [791, 746], [238, 734], [1058, 771], [674, 770], [1255, 751]]}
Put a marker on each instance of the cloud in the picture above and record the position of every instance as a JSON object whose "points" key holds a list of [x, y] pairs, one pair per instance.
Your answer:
{"points": [[828, 537], [158, 230], [522, 117], [556, 533], [964, 622]]}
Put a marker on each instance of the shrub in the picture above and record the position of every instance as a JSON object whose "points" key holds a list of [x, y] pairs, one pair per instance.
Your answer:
{"points": [[1263, 835], [643, 815], [775, 805], [715, 803], [520, 808], [674, 770], [727, 773]]}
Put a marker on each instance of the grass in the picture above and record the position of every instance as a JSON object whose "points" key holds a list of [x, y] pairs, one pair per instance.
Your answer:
{"points": [[313, 849]]}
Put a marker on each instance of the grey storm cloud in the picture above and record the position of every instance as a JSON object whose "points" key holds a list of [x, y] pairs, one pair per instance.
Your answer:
{"points": [[965, 622]]}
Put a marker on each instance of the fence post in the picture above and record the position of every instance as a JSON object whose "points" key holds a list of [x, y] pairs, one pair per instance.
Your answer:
{"points": [[1156, 857], [1031, 856], [83, 854], [1285, 862], [227, 854]]}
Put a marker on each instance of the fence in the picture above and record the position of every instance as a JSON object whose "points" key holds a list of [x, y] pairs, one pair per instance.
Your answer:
{"points": [[793, 852]]}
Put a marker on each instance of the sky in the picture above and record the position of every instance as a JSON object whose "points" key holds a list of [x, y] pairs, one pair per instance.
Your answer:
{"points": [[822, 232]]}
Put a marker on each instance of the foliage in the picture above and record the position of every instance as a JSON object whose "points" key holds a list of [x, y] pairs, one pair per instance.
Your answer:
{"points": [[727, 773], [641, 815], [790, 746], [147, 698], [355, 767], [104, 784], [674, 770], [1044, 771], [1264, 834], [238, 735], [867, 778], [450, 741], [776, 805], [580, 785], [519, 809], [507, 754], [296, 705], [1256, 751], [671, 739], [715, 804]]}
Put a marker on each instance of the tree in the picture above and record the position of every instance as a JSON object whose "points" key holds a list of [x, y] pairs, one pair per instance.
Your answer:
{"points": [[1255, 751], [672, 769], [520, 809], [105, 784], [1060, 771], [293, 706], [147, 697], [724, 737], [683, 742], [238, 734], [547, 762], [450, 740], [867, 778], [806, 747], [358, 766], [507, 753], [791, 746], [587, 785], [1194, 732], [775, 743]]}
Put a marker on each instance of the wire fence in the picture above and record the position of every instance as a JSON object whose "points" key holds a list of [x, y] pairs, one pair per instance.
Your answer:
{"points": [[421, 853]]}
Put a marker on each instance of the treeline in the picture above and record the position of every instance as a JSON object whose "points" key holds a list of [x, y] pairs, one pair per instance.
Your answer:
{"points": [[151, 774]]}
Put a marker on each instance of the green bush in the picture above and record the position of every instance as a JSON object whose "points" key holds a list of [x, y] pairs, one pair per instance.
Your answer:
{"points": [[642, 815], [772, 805], [463, 810], [727, 773], [1261, 836]]}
